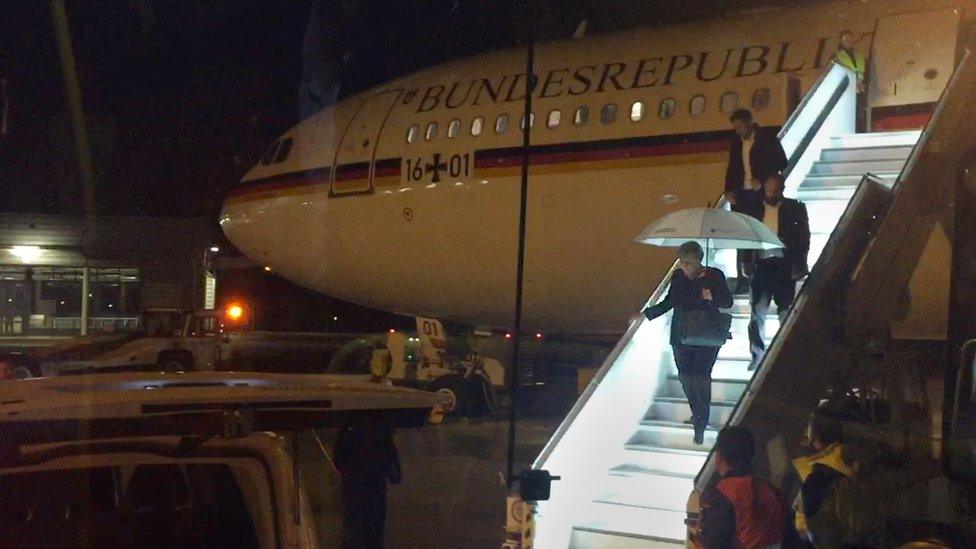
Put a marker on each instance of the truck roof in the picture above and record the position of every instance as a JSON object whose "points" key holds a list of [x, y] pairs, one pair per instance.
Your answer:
{"points": [[104, 406]]}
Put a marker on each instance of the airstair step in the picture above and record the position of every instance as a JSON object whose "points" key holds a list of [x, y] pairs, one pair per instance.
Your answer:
{"points": [[610, 523], [661, 435], [876, 139], [646, 491], [842, 181], [887, 152], [677, 409], [722, 389], [668, 461], [858, 167]]}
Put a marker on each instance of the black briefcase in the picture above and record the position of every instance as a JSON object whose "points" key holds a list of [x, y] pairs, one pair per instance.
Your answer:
{"points": [[705, 328]]}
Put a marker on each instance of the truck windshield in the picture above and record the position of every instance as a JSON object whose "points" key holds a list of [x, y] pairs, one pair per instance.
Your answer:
{"points": [[148, 505]]}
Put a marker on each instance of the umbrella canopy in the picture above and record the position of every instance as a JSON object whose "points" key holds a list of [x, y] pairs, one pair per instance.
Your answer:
{"points": [[712, 228]]}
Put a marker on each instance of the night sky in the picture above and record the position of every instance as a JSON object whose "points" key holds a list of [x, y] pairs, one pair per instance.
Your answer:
{"points": [[181, 97]]}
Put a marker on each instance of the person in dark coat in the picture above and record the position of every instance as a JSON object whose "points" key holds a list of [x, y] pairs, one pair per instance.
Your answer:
{"points": [[366, 458], [693, 287], [754, 154], [776, 271], [741, 510]]}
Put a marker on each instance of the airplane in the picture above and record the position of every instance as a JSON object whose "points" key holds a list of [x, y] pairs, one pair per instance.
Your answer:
{"points": [[405, 197]]}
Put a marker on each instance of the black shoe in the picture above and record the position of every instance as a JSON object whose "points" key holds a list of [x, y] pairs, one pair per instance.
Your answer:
{"points": [[690, 421], [699, 435]]}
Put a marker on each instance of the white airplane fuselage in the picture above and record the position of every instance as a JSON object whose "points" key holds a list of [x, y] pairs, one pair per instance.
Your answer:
{"points": [[369, 202]]}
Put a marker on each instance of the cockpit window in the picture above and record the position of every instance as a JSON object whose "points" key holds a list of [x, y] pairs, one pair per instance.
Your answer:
{"points": [[269, 154], [283, 151]]}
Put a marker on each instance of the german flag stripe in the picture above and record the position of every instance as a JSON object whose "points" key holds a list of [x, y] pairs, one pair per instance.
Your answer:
{"points": [[601, 155]]}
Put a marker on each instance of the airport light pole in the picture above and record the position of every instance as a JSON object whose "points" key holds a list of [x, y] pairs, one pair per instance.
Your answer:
{"points": [[520, 264]]}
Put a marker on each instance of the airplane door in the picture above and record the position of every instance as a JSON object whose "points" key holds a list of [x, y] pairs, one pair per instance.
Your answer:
{"points": [[353, 165], [912, 57]]}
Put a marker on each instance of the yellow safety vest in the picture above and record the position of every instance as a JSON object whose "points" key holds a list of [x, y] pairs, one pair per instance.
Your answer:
{"points": [[829, 456], [857, 64]]}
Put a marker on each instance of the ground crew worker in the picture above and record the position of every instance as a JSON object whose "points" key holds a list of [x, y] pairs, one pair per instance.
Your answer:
{"points": [[847, 56], [366, 458], [742, 510], [820, 474]]}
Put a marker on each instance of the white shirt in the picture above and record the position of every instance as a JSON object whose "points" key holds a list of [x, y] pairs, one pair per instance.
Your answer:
{"points": [[771, 220], [746, 165]]}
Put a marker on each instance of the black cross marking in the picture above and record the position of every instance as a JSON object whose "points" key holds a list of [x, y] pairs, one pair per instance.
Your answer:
{"points": [[436, 168]]}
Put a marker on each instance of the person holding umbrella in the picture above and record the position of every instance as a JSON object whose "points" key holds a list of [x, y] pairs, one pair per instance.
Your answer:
{"points": [[696, 294]]}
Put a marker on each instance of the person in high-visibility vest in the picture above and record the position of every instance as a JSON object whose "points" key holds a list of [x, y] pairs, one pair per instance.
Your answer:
{"points": [[847, 56]]}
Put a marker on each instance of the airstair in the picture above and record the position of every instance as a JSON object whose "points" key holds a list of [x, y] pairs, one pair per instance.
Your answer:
{"points": [[624, 452]]}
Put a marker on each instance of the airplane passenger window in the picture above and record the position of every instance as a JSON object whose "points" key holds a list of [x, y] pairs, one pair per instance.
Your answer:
{"points": [[760, 99], [553, 119], [477, 124], [637, 111], [270, 153], [283, 151], [697, 105], [453, 128], [412, 132], [667, 109], [582, 115], [729, 102], [501, 123], [531, 121], [431, 131], [608, 114]]}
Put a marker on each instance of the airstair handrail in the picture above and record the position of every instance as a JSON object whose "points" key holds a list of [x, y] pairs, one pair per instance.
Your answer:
{"points": [[796, 145], [808, 128]]}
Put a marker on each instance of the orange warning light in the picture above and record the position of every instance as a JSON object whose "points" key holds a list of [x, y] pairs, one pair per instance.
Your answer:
{"points": [[235, 312]]}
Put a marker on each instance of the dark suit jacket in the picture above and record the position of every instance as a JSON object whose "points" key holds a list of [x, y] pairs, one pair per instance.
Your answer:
{"points": [[794, 226], [766, 158]]}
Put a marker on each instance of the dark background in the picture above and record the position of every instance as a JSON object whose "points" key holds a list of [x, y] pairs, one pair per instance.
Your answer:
{"points": [[181, 97]]}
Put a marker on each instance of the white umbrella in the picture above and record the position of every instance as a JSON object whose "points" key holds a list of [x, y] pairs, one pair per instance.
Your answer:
{"points": [[712, 228]]}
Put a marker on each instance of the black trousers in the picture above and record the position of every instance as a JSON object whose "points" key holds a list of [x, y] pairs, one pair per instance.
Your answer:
{"points": [[363, 509], [772, 282], [695, 374]]}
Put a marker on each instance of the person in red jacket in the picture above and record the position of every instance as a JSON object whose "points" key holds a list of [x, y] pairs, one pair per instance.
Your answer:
{"points": [[741, 510]]}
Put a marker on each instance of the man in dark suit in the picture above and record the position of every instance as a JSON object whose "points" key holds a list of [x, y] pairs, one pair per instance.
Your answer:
{"points": [[776, 271], [754, 154]]}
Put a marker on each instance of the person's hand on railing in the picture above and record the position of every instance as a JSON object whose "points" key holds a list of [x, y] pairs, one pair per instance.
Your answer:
{"points": [[730, 197]]}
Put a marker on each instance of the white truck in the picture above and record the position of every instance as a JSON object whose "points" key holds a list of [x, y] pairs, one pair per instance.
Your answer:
{"points": [[164, 460]]}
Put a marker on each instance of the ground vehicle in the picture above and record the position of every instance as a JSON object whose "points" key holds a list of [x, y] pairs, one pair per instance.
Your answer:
{"points": [[168, 339], [171, 340], [193, 467]]}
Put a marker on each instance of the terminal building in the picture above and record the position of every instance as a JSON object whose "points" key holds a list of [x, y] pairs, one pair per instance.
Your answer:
{"points": [[51, 285]]}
